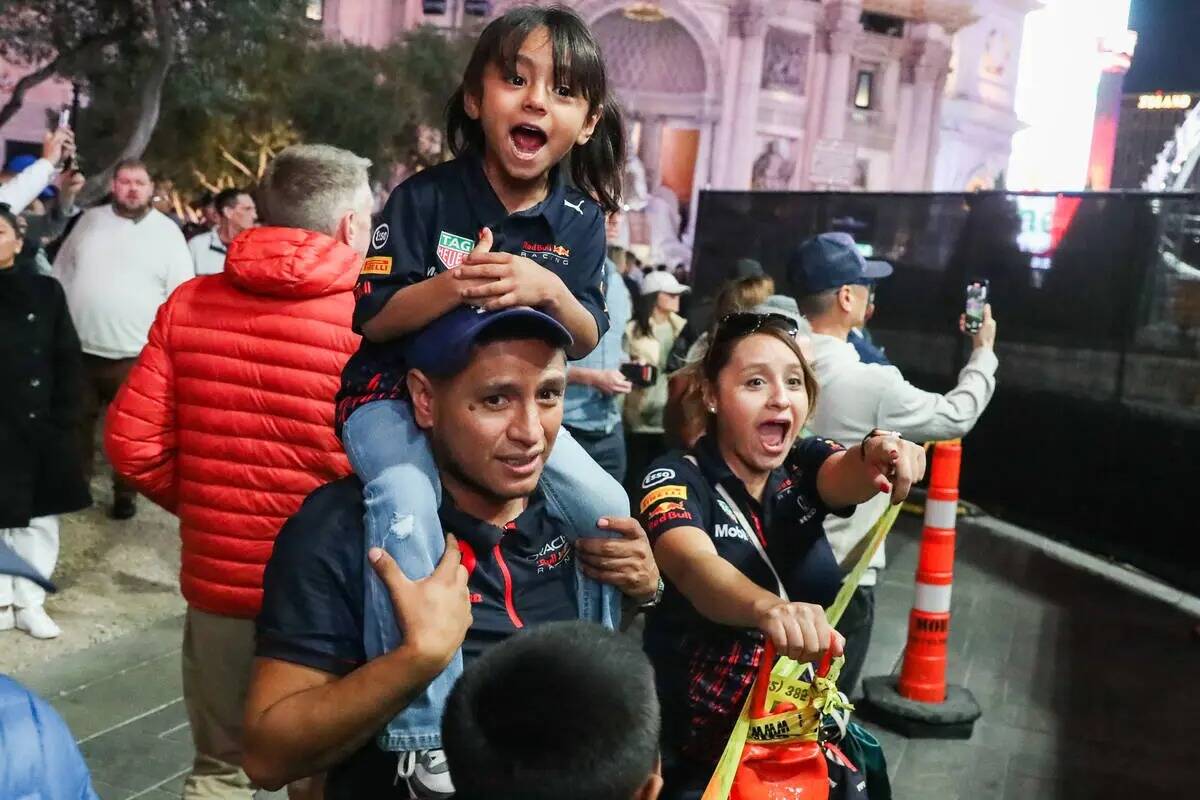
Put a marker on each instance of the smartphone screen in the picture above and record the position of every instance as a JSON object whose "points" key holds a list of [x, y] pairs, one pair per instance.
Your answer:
{"points": [[977, 295]]}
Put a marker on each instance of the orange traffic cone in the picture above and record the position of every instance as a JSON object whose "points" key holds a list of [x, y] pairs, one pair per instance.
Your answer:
{"points": [[920, 704]]}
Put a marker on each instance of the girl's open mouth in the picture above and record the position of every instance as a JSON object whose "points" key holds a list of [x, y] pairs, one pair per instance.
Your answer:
{"points": [[528, 140]]}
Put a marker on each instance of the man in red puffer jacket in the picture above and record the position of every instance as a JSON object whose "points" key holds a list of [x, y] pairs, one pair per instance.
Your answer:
{"points": [[227, 421]]}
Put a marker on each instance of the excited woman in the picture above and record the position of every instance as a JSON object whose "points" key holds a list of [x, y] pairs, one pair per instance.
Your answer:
{"points": [[736, 528]]}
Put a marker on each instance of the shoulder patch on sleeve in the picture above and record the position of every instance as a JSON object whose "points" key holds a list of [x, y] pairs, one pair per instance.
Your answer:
{"points": [[663, 493], [377, 265], [657, 476], [380, 237]]}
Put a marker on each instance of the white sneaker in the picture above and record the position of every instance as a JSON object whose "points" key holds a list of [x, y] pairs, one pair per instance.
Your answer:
{"points": [[8, 619], [37, 623], [427, 774]]}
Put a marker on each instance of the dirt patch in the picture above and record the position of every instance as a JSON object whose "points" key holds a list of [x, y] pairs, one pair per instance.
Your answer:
{"points": [[113, 578]]}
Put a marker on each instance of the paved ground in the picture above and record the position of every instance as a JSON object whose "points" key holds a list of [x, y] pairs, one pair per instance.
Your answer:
{"points": [[1088, 690], [114, 578]]}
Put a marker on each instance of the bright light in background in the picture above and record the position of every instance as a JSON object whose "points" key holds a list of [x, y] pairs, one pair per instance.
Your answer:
{"points": [[1056, 91]]}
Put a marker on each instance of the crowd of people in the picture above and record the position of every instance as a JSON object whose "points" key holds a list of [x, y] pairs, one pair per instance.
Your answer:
{"points": [[467, 494]]}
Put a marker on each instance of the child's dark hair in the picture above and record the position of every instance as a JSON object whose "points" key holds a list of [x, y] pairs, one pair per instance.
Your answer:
{"points": [[596, 167], [565, 710]]}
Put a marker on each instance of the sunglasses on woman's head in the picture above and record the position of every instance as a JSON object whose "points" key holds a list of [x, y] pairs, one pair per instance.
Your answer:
{"points": [[735, 326]]}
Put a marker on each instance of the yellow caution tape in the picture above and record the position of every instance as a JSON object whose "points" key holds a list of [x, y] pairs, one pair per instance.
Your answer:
{"points": [[790, 726], [850, 583], [786, 676]]}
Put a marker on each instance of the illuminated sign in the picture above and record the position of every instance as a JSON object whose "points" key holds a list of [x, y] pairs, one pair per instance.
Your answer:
{"points": [[1165, 102]]}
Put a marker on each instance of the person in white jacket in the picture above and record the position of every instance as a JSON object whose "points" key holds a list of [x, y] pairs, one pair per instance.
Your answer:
{"points": [[23, 188], [832, 282]]}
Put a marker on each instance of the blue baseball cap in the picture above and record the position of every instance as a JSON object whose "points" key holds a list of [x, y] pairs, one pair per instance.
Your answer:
{"points": [[829, 260], [12, 564], [18, 164], [443, 347]]}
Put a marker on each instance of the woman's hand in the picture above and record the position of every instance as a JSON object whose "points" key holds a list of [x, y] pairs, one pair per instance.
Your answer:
{"points": [[626, 563], [895, 464], [800, 630]]}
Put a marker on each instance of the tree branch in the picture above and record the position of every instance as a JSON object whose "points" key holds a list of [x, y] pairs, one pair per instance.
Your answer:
{"points": [[151, 99], [56, 64], [24, 85], [238, 165], [205, 182]]}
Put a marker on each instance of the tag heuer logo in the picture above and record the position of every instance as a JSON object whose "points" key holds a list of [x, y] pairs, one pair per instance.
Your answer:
{"points": [[452, 250]]}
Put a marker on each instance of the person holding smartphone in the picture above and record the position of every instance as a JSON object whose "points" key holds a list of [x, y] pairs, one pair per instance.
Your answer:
{"points": [[833, 285], [18, 190]]}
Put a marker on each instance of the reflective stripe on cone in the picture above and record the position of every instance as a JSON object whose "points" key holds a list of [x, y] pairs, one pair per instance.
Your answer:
{"points": [[923, 674]]}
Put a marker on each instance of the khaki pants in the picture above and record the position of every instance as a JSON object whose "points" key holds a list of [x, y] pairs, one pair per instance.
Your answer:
{"points": [[217, 655]]}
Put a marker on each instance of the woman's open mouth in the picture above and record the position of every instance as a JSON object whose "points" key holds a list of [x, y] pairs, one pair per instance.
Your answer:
{"points": [[773, 436], [528, 140]]}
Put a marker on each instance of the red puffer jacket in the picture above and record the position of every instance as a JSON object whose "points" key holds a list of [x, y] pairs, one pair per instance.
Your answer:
{"points": [[227, 417]]}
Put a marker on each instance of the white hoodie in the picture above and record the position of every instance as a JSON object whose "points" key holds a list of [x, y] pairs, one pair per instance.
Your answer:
{"points": [[857, 398]]}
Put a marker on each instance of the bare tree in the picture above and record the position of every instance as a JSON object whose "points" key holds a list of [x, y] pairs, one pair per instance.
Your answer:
{"points": [[149, 100]]}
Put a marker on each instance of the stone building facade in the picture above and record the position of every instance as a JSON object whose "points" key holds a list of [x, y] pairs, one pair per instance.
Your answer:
{"points": [[792, 94], [879, 95]]}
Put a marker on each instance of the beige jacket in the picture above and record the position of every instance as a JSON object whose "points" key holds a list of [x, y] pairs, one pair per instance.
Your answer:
{"points": [[644, 406]]}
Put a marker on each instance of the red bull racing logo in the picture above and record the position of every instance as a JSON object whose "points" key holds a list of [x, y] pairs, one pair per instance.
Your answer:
{"points": [[546, 252]]}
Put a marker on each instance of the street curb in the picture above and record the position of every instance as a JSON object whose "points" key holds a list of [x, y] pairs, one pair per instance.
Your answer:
{"points": [[1122, 574]]}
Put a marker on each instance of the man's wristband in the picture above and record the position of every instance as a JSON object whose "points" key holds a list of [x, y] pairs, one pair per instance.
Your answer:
{"points": [[658, 595]]}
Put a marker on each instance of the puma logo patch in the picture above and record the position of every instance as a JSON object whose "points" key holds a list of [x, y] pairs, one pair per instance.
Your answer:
{"points": [[577, 207]]}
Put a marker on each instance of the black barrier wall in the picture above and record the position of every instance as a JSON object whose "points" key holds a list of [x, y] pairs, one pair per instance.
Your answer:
{"points": [[1093, 436]]}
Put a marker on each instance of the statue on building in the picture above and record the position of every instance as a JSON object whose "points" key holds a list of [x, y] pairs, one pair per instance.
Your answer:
{"points": [[654, 219], [772, 171], [636, 192], [785, 62]]}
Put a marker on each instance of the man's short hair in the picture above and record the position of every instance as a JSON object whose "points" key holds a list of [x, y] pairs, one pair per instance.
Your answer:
{"points": [[227, 198], [565, 710], [814, 305], [130, 163], [310, 186]]}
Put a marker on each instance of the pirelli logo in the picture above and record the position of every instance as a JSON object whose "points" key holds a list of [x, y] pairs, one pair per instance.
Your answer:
{"points": [[663, 493], [378, 265]]}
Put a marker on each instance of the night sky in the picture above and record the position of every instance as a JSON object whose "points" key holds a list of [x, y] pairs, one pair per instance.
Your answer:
{"points": [[1168, 48]]}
